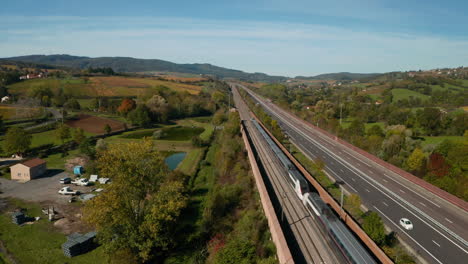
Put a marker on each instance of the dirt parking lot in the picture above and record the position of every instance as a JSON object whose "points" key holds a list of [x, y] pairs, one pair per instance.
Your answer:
{"points": [[41, 189]]}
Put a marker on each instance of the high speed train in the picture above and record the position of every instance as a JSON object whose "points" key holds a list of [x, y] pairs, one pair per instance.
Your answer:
{"points": [[348, 245]]}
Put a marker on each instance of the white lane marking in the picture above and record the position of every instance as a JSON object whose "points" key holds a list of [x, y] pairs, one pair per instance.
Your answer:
{"points": [[337, 176], [390, 193], [423, 204], [339, 152], [370, 172], [384, 180], [351, 188], [427, 251], [358, 164], [411, 190], [342, 170], [402, 191], [385, 204], [367, 190], [436, 243], [448, 220], [353, 179]]}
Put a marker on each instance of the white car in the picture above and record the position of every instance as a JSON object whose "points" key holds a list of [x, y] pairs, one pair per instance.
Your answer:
{"points": [[406, 224], [67, 191], [81, 182]]}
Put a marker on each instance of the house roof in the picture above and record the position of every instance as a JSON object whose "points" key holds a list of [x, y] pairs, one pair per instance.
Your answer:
{"points": [[33, 162]]}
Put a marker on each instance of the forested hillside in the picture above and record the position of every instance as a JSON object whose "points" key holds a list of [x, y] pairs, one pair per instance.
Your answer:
{"points": [[126, 64]]}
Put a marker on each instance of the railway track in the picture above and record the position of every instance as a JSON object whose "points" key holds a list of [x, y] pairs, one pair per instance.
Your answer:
{"points": [[301, 222]]}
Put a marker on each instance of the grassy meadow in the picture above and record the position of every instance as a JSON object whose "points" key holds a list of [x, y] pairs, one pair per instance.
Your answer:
{"points": [[39, 242], [400, 94]]}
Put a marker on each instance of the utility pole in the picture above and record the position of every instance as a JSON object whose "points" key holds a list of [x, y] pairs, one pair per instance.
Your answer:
{"points": [[341, 199], [341, 112]]}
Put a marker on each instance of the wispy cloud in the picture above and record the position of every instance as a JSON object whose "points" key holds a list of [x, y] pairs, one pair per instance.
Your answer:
{"points": [[276, 48]]}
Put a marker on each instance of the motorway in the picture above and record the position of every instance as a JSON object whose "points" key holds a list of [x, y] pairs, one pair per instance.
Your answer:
{"points": [[307, 241], [440, 228]]}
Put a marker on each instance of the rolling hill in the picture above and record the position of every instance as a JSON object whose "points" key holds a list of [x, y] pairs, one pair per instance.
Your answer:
{"points": [[127, 64], [340, 76]]}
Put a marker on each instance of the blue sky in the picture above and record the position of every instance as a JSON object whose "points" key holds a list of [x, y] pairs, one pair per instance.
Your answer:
{"points": [[304, 37]]}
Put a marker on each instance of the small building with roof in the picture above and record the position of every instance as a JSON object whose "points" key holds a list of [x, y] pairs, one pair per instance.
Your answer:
{"points": [[28, 170]]}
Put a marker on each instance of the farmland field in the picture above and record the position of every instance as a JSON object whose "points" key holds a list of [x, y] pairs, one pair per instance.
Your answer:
{"points": [[101, 86], [183, 79], [400, 94], [449, 87], [95, 124], [17, 112]]}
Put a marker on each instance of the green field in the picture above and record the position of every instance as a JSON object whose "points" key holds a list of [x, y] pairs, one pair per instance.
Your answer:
{"points": [[375, 96], [179, 133], [39, 242], [178, 139], [464, 82], [400, 94], [446, 87], [139, 134], [190, 163], [85, 103], [56, 161], [437, 140]]}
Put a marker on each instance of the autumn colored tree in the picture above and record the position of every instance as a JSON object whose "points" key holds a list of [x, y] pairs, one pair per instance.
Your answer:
{"points": [[416, 160], [136, 216], [437, 165], [126, 106]]}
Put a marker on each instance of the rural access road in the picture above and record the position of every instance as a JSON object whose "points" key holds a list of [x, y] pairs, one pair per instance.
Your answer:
{"points": [[440, 228]]}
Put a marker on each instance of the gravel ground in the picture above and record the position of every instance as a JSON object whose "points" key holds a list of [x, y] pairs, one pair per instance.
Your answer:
{"points": [[40, 190]]}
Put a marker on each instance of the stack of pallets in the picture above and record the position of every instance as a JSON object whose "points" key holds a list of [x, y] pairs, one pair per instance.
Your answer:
{"points": [[18, 218], [78, 244]]}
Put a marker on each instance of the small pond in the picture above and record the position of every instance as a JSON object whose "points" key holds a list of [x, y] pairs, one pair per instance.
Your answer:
{"points": [[173, 160]]}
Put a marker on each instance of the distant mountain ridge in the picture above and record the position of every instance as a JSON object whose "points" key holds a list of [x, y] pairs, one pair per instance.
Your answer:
{"points": [[127, 64], [340, 76]]}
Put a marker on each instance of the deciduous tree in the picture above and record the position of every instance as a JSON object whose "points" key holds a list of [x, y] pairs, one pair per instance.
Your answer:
{"points": [[17, 140], [107, 129], [63, 133], [437, 165], [140, 116], [126, 106], [374, 227], [138, 211], [415, 161], [78, 136]]}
